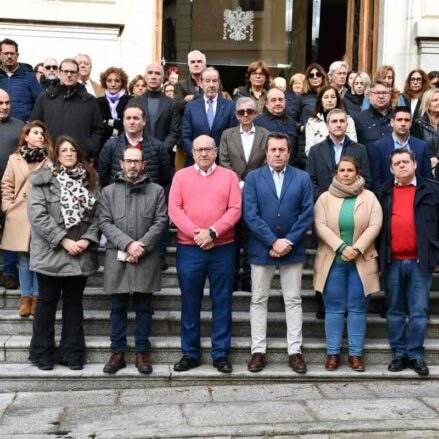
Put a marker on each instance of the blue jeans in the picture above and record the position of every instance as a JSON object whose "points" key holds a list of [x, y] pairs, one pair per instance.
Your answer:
{"points": [[408, 291], [28, 279], [119, 321], [193, 265], [343, 293], [10, 262]]}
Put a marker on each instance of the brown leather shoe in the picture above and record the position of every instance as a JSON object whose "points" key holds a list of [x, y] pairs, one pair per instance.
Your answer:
{"points": [[256, 362], [356, 363], [332, 362], [25, 306], [142, 362], [115, 362], [10, 283], [34, 305], [297, 363]]}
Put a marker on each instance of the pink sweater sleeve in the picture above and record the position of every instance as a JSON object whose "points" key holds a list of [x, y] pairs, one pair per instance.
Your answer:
{"points": [[176, 211], [233, 213]]}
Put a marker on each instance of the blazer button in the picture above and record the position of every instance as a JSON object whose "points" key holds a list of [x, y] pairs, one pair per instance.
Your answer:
{"points": [[278, 215], [278, 227]]}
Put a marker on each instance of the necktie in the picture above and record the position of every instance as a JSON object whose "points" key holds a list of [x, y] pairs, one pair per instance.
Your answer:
{"points": [[210, 115]]}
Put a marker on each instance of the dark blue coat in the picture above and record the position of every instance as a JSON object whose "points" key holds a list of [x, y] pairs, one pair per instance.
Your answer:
{"points": [[158, 165], [371, 126], [426, 223], [270, 218], [379, 159], [23, 89], [195, 121]]}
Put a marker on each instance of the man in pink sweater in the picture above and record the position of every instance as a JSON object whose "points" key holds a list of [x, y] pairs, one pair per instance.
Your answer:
{"points": [[205, 205]]}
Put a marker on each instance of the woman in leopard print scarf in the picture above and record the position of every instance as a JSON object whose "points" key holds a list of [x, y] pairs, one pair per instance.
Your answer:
{"points": [[63, 208]]}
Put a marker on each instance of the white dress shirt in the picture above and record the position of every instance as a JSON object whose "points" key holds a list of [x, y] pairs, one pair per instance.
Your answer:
{"points": [[247, 139]]}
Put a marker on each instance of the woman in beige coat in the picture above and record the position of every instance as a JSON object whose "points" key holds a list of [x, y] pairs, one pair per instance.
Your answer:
{"points": [[348, 218], [32, 152]]}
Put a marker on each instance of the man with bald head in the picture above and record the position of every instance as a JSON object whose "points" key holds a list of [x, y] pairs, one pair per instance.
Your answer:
{"points": [[161, 112], [10, 129], [275, 119], [205, 205]]}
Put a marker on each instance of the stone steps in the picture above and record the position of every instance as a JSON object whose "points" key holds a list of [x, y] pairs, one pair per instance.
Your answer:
{"points": [[20, 377]]}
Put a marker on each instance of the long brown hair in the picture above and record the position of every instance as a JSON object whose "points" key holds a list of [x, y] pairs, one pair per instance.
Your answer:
{"points": [[408, 94], [318, 107], [321, 70], [26, 130], [92, 177]]}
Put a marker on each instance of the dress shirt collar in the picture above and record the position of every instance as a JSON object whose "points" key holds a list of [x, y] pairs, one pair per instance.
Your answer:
{"points": [[273, 172], [205, 173], [206, 100], [341, 143], [133, 142], [399, 144], [252, 130], [412, 183]]}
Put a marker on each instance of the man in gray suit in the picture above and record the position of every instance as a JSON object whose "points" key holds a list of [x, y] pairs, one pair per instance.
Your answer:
{"points": [[242, 149]]}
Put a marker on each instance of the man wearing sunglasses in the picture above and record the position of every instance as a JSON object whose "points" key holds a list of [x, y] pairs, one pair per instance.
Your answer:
{"points": [[242, 149], [18, 80], [50, 77]]}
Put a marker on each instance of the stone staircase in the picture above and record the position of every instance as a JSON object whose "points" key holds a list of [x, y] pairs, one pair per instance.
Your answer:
{"points": [[16, 374]]}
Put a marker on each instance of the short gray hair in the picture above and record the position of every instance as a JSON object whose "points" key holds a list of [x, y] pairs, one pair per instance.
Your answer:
{"points": [[196, 52], [336, 65], [245, 100], [209, 69], [335, 111]]}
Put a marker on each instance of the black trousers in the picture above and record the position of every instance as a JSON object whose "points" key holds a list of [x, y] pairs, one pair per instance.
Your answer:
{"points": [[72, 345]]}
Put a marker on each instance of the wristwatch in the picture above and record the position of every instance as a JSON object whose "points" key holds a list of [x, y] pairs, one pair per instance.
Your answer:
{"points": [[212, 234]]}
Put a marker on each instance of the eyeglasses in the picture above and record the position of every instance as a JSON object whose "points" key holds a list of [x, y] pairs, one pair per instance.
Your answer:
{"points": [[205, 149], [132, 162], [314, 75], [416, 80], [246, 111], [11, 54], [69, 72], [51, 67], [380, 93]]}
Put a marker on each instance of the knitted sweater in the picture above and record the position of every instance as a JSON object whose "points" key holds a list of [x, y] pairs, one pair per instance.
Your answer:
{"points": [[197, 202]]}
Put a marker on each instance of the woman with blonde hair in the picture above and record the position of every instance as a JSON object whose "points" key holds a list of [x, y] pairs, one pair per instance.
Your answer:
{"points": [[354, 97], [33, 151], [427, 126]]}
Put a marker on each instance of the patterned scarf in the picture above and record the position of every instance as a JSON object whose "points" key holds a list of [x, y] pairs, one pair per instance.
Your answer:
{"points": [[76, 200], [32, 155], [113, 100]]}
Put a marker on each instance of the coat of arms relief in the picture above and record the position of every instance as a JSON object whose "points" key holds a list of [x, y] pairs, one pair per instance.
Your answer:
{"points": [[238, 24]]}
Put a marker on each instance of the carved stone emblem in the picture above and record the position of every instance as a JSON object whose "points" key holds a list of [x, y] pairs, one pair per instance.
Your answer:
{"points": [[238, 24]]}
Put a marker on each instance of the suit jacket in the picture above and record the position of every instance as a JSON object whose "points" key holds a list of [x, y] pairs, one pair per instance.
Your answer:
{"points": [[232, 152], [270, 218], [195, 122], [321, 168], [379, 159], [167, 124]]}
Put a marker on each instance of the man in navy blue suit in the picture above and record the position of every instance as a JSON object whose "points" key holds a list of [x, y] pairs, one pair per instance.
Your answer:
{"points": [[379, 152], [278, 210], [209, 115]]}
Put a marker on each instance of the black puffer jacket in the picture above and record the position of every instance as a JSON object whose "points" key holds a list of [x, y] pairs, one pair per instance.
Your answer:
{"points": [[71, 111], [158, 164], [353, 103], [423, 129]]}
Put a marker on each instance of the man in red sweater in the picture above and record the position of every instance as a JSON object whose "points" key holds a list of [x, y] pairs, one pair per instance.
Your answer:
{"points": [[408, 254], [205, 205]]}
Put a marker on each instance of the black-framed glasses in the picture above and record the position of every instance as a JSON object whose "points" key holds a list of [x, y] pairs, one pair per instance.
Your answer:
{"points": [[51, 67], [132, 162], [205, 149], [69, 72], [314, 75], [246, 111]]}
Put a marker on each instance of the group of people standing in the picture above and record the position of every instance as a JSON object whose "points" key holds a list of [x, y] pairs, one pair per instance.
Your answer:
{"points": [[259, 174]]}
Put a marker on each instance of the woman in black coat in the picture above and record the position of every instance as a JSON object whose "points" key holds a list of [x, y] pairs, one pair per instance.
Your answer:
{"points": [[115, 82]]}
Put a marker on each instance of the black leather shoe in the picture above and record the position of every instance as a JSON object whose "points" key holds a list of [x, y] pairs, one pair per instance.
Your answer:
{"points": [[223, 365], [397, 364], [419, 367], [186, 363]]}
